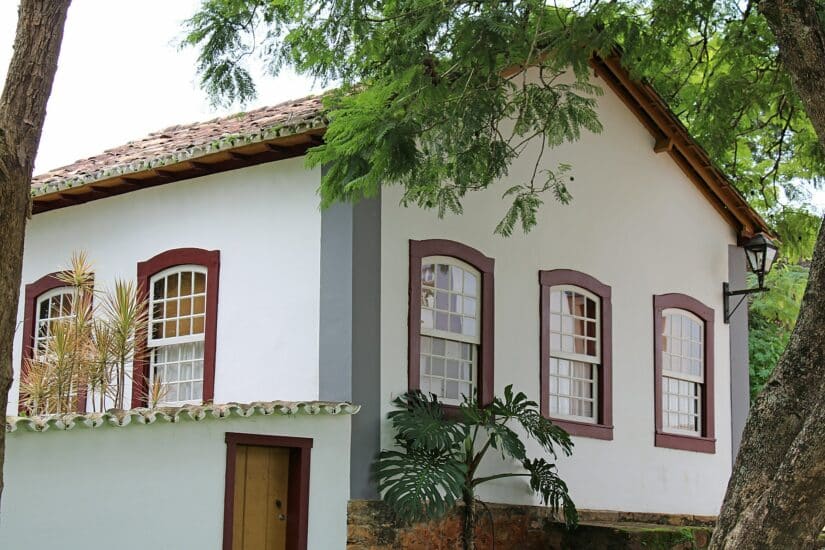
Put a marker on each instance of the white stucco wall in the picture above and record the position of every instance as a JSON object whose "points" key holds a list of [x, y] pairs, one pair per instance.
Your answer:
{"points": [[159, 486], [266, 223], [637, 224]]}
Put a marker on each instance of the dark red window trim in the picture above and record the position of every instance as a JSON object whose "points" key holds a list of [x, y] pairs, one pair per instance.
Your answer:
{"points": [[297, 520], [706, 443], [603, 429], [32, 292], [211, 260], [485, 266]]}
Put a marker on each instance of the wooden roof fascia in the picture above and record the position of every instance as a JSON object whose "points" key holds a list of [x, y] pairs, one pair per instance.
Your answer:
{"points": [[220, 161], [672, 137]]}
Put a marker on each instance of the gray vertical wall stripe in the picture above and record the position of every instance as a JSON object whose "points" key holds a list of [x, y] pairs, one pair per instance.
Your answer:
{"points": [[335, 353], [739, 362], [366, 345], [350, 327]]}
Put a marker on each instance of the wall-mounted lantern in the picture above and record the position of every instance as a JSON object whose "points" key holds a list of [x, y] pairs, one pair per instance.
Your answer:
{"points": [[761, 254]]}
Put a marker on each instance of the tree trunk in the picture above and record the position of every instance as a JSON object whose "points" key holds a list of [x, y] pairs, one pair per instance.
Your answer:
{"points": [[22, 111], [468, 531], [776, 496]]}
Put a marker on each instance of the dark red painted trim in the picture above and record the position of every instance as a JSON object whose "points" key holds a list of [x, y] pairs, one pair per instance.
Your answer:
{"points": [[707, 442], [485, 266], [32, 292], [211, 260], [603, 429], [297, 522]]}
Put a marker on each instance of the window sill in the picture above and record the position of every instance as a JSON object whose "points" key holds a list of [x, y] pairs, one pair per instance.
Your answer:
{"points": [[584, 429], [686, 443]]}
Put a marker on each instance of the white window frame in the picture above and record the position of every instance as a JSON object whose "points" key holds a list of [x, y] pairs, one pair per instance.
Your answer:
{"points": [[48, 295], [475, 339], [154, 343], [594, 361], [681, 376]]}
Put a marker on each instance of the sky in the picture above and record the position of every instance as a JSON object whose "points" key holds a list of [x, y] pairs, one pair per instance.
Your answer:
{"points": [[120, 76]]}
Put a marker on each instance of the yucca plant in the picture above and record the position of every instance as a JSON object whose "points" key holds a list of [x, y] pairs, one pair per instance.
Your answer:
{"points": [[436, 463], [125, 315], [90, 350]]}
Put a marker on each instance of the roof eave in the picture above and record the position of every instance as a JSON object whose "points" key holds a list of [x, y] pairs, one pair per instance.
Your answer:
{"points": [[191, 163], [671, 136]]}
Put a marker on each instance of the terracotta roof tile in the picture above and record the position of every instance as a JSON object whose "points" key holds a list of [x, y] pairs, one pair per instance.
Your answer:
{"points": [[186, 142], [144, 416]]}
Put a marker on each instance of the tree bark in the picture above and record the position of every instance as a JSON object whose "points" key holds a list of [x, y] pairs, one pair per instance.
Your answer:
{"points": [[22, 111], [776, 496]]}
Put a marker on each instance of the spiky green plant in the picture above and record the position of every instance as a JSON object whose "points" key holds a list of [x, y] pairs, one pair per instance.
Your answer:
{"points": [[91, 349], [438, 455], [125, 314]]}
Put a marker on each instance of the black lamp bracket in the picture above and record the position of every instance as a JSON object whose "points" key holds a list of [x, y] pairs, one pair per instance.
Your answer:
{"points": [[728, 293]]}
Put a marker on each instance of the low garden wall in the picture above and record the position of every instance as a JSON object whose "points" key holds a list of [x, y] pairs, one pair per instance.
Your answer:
{"points": [[371, 526]]}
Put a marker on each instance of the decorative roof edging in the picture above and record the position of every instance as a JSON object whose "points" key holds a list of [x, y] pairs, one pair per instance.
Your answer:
{"points": [[225, 143], [172, 415]]}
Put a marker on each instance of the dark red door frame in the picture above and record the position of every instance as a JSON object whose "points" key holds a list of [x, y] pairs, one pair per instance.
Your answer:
{"points": [[297, 520]]}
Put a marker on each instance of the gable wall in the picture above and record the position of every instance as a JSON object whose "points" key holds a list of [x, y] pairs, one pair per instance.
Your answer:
{"points": [[266, 223], [636, 223]]}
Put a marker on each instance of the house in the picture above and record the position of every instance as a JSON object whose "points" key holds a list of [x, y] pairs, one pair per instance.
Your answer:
{"points": [[288, 319]]}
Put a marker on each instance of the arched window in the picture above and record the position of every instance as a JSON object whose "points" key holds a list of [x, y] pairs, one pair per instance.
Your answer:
{"points": [[450, 321], [684, 373], [177, 363], [575, 370], [54, 306], [450, 328], [47, 301], [177, 331]]}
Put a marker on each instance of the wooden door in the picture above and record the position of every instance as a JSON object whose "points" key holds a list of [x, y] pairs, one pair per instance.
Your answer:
{"points": [[260, 502]]}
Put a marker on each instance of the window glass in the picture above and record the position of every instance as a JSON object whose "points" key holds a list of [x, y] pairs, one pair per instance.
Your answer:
{"points": [[177, 331], [575, 350], [450, 328], [52, 307], [682, 371]]}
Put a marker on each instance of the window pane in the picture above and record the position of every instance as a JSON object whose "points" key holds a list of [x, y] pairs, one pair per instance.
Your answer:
{"points": [[442, 277], [447, 368], [572, 384], [179, 368], [681, 405], [574, 318], [172, 285], [682, 345], [180, 303], [55, 307], [200, 283]]}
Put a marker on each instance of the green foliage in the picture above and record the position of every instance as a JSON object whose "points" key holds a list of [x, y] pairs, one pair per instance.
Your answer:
{"points": [[429, 100], [437, 457], [772, 318]]}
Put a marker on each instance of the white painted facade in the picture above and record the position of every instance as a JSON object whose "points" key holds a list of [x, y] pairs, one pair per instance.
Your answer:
{"points": [[637, 224], [158, 486], [266, 223]]}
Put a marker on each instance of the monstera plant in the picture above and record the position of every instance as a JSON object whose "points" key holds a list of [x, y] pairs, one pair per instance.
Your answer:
{"points": [[438, 456]]}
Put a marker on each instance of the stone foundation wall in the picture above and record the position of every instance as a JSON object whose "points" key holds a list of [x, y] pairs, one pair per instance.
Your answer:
{"points": [[371, 526]]}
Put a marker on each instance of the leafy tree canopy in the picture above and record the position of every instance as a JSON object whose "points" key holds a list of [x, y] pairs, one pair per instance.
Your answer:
{"points": [[772, 317], [428, 99]]}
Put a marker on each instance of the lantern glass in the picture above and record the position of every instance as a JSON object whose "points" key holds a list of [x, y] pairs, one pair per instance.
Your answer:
{"points": [[761, 254], [770, 256], [754, 259]]}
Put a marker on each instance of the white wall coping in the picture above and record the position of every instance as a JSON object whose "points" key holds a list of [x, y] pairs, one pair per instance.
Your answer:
{"points": [[146, 416]]}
